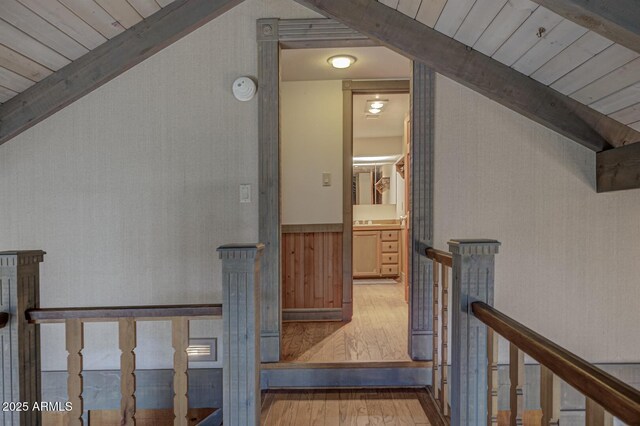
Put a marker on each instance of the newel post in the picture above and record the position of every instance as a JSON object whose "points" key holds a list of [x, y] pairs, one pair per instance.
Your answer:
{"points": [[241, 343], [472, 280], [19, 340]]}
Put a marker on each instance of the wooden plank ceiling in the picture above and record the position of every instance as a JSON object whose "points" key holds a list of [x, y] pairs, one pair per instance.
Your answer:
{"points": [[541, 44], [38, 37]]}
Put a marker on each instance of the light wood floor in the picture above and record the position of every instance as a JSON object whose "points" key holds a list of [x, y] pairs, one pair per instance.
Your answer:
{"points": [[377, 332], [345, 407]]}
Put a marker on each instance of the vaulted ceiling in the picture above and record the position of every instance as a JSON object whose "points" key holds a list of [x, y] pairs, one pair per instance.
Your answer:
{"points": [[540, 43], [39, 37], [587, 52]]}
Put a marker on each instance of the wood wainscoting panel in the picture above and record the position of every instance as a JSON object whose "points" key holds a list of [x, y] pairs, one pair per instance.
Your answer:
{"points": [[311, 270]]}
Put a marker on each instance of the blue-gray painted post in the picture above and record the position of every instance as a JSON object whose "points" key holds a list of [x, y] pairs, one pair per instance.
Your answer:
{"points": [[20, 341], [472, 280], [241, 342], [421, 212]]}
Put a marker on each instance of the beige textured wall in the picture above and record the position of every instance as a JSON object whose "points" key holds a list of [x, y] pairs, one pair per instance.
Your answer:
{"points": [[372, 147], [131, 189], [568, 265], [310, 145]]}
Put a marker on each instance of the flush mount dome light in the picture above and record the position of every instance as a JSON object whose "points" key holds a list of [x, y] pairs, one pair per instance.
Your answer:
{"points": [[375, 106], [342, 61]]}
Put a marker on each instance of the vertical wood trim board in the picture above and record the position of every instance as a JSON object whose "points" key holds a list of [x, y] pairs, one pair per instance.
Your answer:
{"points": [[241, 340], [472, 279], [347, 208], [421, 213], [312, 270], [20, 379], [269, 187]]}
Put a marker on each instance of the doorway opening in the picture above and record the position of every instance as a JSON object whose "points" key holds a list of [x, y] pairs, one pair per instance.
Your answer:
{"points": [[344, 146]]}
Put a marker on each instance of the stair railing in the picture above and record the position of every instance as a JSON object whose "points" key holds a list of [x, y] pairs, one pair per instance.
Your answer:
{"points": [[442, 263], [20, 340], [475, 326], [127, 318]]}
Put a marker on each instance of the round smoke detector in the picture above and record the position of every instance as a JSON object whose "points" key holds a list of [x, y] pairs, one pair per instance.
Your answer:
{"points": [[244, 89]]}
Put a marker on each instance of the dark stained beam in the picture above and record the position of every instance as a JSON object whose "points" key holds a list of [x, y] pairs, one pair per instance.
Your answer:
{"points": [[617, 20], [106, 62], [618, 169], [479, 72]]}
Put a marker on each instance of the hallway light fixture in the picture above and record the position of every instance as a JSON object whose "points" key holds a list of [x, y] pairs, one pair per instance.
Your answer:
{"points": [[375, 106], [342, 61]]}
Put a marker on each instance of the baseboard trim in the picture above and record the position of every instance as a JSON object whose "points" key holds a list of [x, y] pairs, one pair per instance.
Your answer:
{"points": [[298, 377], [312, 314]]}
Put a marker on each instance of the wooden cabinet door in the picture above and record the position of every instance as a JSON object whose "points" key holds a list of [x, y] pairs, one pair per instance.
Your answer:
{"points": [[366, 253]]}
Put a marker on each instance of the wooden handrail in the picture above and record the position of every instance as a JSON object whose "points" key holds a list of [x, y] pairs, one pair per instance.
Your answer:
{"points": [[617, 397], [4, 319], [115, 313], [440, 256]]}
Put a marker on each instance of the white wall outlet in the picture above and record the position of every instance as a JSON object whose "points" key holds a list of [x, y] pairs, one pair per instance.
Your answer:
{"points": [[326, 179], [245, 193]]}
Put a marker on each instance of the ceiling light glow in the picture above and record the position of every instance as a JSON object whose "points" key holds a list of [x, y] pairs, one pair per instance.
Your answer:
{"points": [[377, 105], [374, 110], [341, 61]]}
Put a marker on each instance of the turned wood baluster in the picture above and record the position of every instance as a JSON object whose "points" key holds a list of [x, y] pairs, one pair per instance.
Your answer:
{"points": [[492, 379], [444, 377], [74, 337], [516, 376], [180, 338], [127, 341], [549, 397], [436, 342], [596, 415]]}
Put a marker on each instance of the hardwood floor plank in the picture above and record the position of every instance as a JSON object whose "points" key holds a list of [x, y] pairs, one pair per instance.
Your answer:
{"points": [[303, 409], [374, 408], [377, 332], [318, 408], [267, 403], [387, 407], [331, 407], [403, 411]]}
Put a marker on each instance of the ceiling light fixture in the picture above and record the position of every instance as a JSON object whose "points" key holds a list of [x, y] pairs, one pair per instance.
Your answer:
{"points": [[375, 106], [342, 61]]}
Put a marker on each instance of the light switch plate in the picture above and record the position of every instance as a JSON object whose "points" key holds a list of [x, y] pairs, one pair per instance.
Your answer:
{"points": [[326, 179], [245, 193]]}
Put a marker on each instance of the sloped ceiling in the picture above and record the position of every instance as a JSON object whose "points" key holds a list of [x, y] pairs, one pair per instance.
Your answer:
{"points": [[541, 44], [38, 37]]}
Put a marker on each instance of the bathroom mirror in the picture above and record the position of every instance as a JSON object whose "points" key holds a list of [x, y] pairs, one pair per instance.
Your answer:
{"points": [[378, 147], [374, 183]]}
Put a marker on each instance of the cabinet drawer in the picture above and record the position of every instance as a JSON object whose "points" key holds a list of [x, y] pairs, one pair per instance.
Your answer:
{"points": [[389, 246], [389, 258], [389, 235], [389, 270]]}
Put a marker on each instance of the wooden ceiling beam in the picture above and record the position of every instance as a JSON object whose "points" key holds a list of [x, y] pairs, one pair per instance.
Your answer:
{"points": [[478, 72], [618, 169], [106, 62], [617, 20]]}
